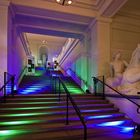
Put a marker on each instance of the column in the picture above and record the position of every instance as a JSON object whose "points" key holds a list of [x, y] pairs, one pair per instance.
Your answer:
{"points": [[99, 49], [3, 37], [100, 46]]}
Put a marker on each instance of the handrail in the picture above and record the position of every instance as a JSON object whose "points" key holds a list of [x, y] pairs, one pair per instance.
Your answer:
{"points": [[9, 74], [77, 76], [74, 106], [23, 70], [12, 78], [138, 109]]}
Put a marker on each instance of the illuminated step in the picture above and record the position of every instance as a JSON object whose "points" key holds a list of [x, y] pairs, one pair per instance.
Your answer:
{"points": [[32, 103], [13, 132], [33, 112], [104, 116], [56, 108], [11, 123]]}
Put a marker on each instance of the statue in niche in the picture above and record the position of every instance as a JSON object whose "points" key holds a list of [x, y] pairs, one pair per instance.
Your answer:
{"points": [[131, 78], [117, 68]]}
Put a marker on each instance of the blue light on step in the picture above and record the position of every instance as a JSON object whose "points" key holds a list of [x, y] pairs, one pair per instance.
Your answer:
{"points": [[31, 89], [115, 123], [99, 117], [127, 129], [90, 110]]}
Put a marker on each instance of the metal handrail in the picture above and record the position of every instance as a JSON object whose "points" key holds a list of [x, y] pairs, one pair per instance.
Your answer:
{"points": [[22, 72], [74, 106], [77, 76], [12, 78], [8, 74], [126, 97]]}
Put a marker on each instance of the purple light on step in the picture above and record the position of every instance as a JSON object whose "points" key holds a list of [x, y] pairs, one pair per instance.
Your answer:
{"points": [[84, 111], [99, 117], [96, 110]]}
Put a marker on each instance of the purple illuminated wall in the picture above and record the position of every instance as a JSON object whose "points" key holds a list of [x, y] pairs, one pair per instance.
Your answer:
{"points": [[16, 55]]}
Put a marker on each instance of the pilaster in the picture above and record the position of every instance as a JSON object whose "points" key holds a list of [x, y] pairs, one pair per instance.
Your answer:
{"points": [[3, 37]]}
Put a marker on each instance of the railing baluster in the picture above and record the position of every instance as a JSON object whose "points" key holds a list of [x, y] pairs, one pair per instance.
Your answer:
{"points": [[95, 86], [12, 85], [6, 82], [103, 87], [59, 89], [67, 113], [5, 87]]}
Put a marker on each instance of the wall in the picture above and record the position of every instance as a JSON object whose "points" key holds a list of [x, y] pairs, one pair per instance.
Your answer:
{"points": [[16, 57], [125, 35], [75, 58], [3, 40], [124, 104], [92, 54]]}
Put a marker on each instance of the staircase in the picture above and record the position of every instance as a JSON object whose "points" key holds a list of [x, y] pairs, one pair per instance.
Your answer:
{"points": [[41, 83], [42, 117]]}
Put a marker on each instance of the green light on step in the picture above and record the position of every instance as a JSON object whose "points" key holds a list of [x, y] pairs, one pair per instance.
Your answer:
{"points": [[25, 114], [29, 108], [18, 122], [11, 132], [34, 103], [37, 98]]}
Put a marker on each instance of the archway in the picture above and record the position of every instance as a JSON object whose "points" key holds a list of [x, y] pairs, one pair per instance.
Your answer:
{"points": [[43, 55]]}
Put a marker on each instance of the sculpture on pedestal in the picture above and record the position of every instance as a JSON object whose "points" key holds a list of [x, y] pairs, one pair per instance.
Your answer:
{"points": [[117, 67], [131, 78]]}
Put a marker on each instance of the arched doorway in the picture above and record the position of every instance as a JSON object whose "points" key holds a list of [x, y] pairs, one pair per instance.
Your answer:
{"points": [[43, 55]]}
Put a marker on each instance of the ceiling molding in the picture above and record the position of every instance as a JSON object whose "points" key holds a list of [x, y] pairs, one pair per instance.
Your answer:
{"points": [[52, 15], [113, 7], [43, 4], [46, 31], [129, 14], [85, 4]]}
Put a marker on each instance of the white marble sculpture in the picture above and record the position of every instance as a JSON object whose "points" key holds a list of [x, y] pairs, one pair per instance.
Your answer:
{"points": [[117, 67], [131, 78]]}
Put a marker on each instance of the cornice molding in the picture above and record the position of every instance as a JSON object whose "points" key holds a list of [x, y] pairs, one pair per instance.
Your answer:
{"points": [[98, 19], [129, 14], [67, 53], [111, 7], [104, 19], [24, 43]]}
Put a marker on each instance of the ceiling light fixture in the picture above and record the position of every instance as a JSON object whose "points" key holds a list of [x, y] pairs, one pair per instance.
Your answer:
{"points": [[64, 2]]}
